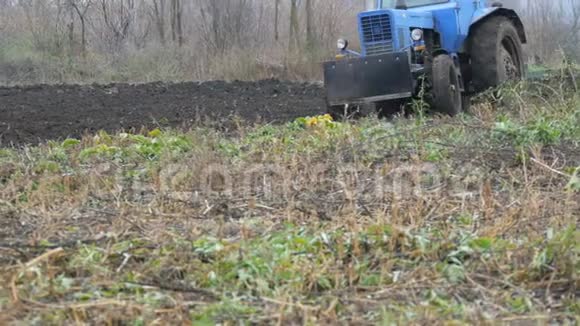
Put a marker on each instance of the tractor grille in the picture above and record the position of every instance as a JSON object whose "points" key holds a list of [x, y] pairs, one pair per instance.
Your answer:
{"points": [[377, 34]]}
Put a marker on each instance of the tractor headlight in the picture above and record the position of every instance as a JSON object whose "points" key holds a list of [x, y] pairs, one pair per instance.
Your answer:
{"points": [[342, 44], [417, 34]]}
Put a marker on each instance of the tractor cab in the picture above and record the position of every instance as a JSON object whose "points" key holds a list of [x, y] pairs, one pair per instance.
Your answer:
{"points": [[450, 48]]}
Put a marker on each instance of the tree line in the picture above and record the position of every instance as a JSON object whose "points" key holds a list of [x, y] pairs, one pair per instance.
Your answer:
{"points": [[77, 40]]}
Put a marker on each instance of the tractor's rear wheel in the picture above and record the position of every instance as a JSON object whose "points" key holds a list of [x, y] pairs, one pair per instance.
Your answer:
{"points": [[496, 53], [446, 89]]}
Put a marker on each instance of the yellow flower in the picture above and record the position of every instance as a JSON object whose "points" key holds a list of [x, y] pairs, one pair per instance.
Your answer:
{"points": [[319, 121], [313, 121]]}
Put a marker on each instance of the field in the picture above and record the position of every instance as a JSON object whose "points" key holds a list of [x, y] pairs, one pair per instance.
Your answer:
{"points": [[239, 203], [69, 111]]}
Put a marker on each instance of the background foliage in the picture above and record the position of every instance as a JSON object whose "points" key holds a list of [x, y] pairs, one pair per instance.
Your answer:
{"points": [[57, 41]]}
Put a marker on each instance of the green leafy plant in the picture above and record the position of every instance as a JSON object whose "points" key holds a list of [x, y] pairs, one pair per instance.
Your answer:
{"points": [[70, 143], [541, 131], [100, 151], [574, 184]]}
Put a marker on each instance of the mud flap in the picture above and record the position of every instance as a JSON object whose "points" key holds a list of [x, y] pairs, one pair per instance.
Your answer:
{"points": [[367, 80]]}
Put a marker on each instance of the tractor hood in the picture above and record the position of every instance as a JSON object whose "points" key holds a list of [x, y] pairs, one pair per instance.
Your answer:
{"points": [[387, 31]]}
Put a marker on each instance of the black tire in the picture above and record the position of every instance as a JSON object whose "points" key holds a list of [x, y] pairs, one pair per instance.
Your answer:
{"points": [[387, 109], [465, 102], [496, 52], [446, 90], [343, 113]]}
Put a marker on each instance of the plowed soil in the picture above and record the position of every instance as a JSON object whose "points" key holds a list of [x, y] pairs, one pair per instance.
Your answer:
{"points": [[33, 114]]}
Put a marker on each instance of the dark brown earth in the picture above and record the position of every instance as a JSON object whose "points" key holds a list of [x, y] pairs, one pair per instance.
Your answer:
{"points": [[33, 114]]}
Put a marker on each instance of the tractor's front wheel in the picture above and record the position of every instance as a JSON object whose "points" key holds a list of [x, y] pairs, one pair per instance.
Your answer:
{"points": [[390, 108], [446, 88], [344, 112], [466, 102]]}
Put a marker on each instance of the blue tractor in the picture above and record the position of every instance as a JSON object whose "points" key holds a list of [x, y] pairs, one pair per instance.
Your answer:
{"points": [[447, 50]]}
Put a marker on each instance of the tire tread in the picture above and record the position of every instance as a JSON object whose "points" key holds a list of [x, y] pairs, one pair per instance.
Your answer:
{"points": [[485, 43]]}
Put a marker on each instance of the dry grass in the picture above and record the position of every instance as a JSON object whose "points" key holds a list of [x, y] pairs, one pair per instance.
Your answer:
{"points": [[21, 65], [419, 220]]}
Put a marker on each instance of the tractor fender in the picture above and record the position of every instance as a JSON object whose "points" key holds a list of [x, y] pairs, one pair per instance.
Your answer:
{"points": [[483, 14]]}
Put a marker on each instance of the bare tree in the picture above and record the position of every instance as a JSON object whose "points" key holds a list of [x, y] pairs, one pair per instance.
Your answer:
{"points": [[227, 24], [158, 14], [81, 7], [552, 25], [294, 41], [176, 22], [117, 17], [309, 25], [276, 20]]}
